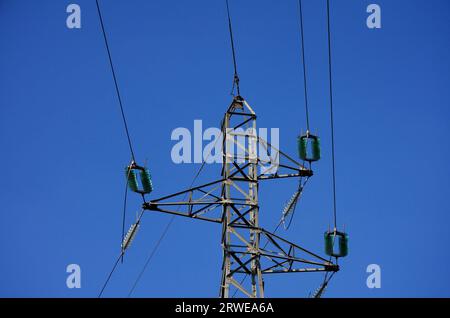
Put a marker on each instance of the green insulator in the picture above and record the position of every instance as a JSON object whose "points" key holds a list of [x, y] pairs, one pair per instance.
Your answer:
{"points": [[146, 180], [343, 245], [312, 142], [328, 243], [315, 148], [336, 244], [132, 179], [302, 145]]}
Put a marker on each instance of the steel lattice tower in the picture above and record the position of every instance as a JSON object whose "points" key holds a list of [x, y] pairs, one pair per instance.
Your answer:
{"points": [[233, 202]]}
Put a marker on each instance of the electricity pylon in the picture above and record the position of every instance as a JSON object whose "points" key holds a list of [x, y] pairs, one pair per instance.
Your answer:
{"points": [[232, 201]]}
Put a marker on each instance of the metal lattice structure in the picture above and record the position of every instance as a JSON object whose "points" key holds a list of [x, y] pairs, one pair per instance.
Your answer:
{"points": [[233, 202]]}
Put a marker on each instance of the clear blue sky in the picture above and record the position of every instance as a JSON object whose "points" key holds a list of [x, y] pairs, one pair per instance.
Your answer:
{"points": [[63, 148]]}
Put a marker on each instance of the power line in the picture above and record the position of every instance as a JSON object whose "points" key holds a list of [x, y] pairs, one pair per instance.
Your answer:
{"points": [[327, 278], [230, 29], [304, 63], [331, 113], [115, 81], [110, 274], [116, 85]]}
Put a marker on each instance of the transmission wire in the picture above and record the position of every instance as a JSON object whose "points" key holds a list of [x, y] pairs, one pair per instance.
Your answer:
{"points": [[331, 114], [303, 62], [326, 279], [115, 81], [230, 29], [119, 98], [110, 274]]}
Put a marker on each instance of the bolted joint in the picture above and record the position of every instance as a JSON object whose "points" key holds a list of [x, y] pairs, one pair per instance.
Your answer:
{"points": [[332, 268], [149, 206]]}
